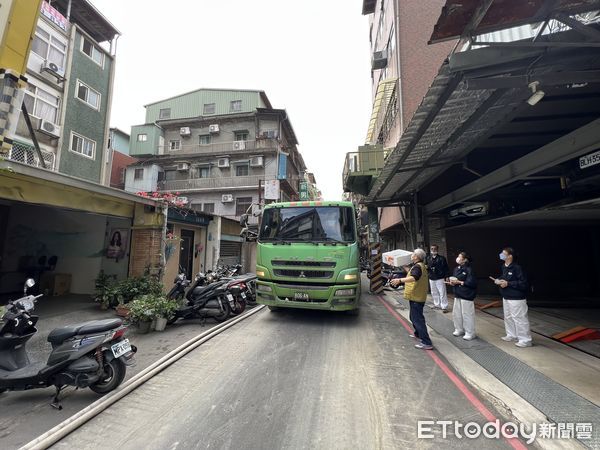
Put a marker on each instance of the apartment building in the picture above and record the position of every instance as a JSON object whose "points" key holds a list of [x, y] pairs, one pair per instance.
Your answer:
{"points": [[217, 149], [70, 77]]}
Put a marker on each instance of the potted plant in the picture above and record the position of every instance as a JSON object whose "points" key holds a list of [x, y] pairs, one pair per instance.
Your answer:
{"points": [[165, 309], [142, 311], [105, 290]]}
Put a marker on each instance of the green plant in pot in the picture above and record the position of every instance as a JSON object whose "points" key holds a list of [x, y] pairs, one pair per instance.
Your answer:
{"points": [[142, 310], [165, 309], [106, 291]]}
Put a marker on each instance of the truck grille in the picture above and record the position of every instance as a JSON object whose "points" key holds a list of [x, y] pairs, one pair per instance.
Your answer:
{"points": [[303, 273], [304, 263]]}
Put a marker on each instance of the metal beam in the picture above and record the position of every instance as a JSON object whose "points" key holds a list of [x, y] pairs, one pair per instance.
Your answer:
{"points": [[519, 81], [538, 44], [477, 17], [578, 26], [474, 117], [433, 112], [572, 145]]}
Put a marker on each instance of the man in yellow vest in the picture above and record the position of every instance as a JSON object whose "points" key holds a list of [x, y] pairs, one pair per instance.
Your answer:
{"points": [[415, 291]]}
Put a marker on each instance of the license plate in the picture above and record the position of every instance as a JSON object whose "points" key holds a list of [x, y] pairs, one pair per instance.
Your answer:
{"points": [[243, 295], [121, 348], [300, 296], [230, 297]]}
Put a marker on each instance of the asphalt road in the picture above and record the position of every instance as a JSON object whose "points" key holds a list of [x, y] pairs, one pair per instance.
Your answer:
{"points": [[292, 380], [24, 415]]}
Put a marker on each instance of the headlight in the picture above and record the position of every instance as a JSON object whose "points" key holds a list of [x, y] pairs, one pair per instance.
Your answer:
{"points": [[350, 277], [260, 273], [264, 288], [344, 292]]}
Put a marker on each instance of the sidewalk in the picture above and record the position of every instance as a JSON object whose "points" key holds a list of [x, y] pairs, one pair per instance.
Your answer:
{"points": [[547, 382]]}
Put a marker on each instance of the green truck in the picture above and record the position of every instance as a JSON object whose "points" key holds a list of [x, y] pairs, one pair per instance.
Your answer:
{"points": [[308, 256]]}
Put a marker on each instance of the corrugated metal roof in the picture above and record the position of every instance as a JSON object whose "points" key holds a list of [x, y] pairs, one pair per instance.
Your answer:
{"points": [[457, 14]]}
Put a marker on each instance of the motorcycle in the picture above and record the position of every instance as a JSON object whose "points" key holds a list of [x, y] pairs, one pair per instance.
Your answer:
{"points": [[85, 355], [200, 298]]}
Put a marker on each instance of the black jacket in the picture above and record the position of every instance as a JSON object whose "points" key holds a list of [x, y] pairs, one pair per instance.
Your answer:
{"points": [[517, 282], [469, 290], [437, 267]]}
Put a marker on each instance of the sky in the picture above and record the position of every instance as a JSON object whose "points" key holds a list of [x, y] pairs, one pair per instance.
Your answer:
{"points": [[311, 57]]}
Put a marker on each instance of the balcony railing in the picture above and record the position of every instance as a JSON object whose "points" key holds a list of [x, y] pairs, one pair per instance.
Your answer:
{"points": [[26, 154], [210, 183], [220, 148]]}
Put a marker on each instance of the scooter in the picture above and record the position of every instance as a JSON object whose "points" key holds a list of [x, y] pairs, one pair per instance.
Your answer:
{"points": [[90, 354], [212, 300]]}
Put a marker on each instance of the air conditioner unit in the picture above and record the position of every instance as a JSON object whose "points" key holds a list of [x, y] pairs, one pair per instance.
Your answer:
{"points": [[257, 161], [239, 145], [213, 129], [380, 60], [226, 198], [223, 162], [49, 128], [183, 166], [185, 131], [53, 68]]}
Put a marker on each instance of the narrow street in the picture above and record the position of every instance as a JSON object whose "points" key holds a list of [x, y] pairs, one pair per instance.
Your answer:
{"points": [[291, 379]]}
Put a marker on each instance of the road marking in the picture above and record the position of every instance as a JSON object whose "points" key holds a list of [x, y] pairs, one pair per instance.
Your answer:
{"points": [[514, 442]]}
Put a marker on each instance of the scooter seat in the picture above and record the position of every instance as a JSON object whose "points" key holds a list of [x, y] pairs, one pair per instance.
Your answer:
{"points": [[59, 335]]}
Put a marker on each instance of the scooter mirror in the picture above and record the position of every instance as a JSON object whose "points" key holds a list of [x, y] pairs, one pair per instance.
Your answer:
{"points": [[30, 283]]}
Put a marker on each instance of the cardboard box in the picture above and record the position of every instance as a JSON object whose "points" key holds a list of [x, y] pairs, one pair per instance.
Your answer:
{"points": [[56, 283], [397, 258]]}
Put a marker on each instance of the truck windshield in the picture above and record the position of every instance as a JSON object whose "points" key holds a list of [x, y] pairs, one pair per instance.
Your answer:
{"points": [[308, 224]]}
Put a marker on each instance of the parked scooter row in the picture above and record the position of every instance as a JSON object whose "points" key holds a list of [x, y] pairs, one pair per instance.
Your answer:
{"points": [[90, 354], [213, 294]]}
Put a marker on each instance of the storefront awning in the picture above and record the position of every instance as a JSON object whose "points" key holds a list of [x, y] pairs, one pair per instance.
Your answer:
{"points": [[22, 183], [385, 89]]}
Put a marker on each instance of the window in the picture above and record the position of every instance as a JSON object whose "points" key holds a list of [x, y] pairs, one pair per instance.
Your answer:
{"points": [[241, 135], [175, 145], [242, 170], [204, 139], [49, 47], [164, 113], [209, 108], [41, 104], [236, 105], [242, 204], [138, 174], [202, 172], [170, 175], [83, 145], [208, 208], [142, 137], [88, 95], [93, 52]]}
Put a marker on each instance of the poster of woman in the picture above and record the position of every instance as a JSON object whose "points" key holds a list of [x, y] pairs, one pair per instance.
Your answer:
{"points": [[117, 246]]}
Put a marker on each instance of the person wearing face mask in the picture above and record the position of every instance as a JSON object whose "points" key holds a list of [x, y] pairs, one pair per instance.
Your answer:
{"points": [[465, 289], [415, 291], [438, 270], [513, 288]]}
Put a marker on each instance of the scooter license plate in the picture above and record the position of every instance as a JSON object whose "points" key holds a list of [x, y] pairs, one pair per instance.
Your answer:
{"points": [[230, 297], [121, 348]]}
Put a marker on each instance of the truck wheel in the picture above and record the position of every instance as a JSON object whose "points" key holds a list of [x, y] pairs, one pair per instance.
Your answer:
{"points": [[114, 374]]}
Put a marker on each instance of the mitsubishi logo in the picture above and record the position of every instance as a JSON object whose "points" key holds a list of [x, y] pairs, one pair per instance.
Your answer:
{"points": [[302, 274]]}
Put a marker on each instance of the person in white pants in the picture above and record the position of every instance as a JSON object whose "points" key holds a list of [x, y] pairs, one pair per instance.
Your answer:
{"points": [[465, 289], [513, 288], [437, 269]]}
